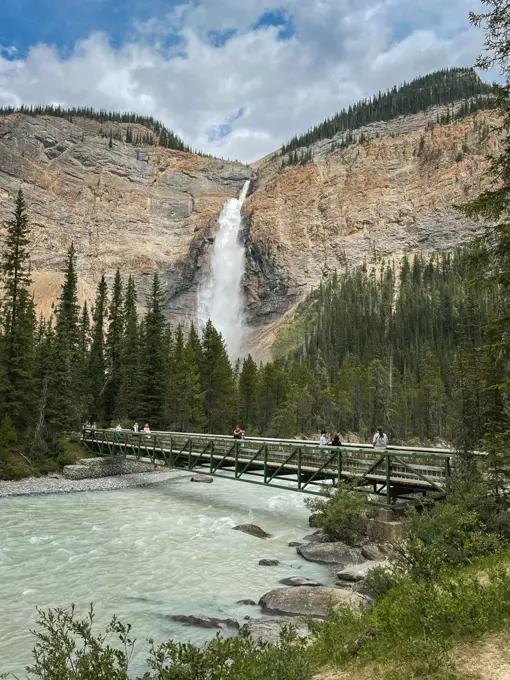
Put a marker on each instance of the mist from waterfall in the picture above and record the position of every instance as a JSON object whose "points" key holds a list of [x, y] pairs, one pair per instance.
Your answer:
{"points": [[220, 296]]}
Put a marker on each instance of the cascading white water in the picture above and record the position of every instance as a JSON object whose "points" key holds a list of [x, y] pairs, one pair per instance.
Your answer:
{"points": [[220, 296]]}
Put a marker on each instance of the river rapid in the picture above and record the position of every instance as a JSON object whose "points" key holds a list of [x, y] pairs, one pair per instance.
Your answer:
{"points": [[143, 554]]}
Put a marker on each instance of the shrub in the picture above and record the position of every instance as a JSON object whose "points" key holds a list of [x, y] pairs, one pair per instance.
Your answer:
{"points": [[445, 536], [342, 514]]}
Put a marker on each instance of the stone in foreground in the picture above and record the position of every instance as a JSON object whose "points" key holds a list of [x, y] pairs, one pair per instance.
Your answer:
{"points": [[299, 581], [337, 554], [267, 628], [269, 563], [308, 601], [201, 479], [205, 621], [252, 529], [247, 602]]}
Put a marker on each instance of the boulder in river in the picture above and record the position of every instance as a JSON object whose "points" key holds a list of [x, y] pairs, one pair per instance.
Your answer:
{"points": [[269, 563], [312, 521], [202, 479], [247, 602], [299, 581], [308, 601], [205, 621], [267, 628], [294, 544], [252, 529], [337, 554]]}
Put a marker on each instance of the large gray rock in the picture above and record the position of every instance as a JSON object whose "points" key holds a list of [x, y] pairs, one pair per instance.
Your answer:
{"points": [[307, 601], [267, 628], [337, 554], [373, 552], [252, 529], [269, 563], [299, 581], [358, 572]]}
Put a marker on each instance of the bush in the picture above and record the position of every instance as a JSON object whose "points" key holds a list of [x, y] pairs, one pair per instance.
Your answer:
{"points": [[342, 514], [445, 536], [67, 649]]}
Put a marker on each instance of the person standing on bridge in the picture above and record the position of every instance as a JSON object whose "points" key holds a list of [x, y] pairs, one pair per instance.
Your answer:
{"points": [[380, 440], [118, 430], [147, 429], [336, 440], [323, 441], [136, 428]]}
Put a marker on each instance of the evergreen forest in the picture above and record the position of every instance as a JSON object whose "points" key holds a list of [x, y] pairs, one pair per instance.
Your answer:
{"points": [[441, 88]]}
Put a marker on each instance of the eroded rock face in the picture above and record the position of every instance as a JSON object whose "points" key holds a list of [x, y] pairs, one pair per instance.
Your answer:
{"points": [[331, 553], [252, 529], [137, 208], [307, 601]]}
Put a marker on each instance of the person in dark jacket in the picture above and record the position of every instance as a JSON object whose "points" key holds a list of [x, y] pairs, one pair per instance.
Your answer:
{"points": [[336, 441]]}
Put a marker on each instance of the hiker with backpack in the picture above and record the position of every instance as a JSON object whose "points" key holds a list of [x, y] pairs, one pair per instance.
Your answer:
{"points": [[380, 439]]}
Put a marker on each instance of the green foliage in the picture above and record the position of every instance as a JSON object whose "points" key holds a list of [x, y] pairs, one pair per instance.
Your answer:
{"points": [[439, 88], [447, 535], [68, 649], [342, 514], [217, 382]]}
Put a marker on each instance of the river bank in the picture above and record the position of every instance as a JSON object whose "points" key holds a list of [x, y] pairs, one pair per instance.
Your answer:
{"points": [[57, 484]]}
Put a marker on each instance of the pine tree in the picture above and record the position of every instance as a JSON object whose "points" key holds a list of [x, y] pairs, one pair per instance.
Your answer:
{"points": [[130, 377], [114, 349], [97, 358], [185, 394], [154, 359], [17, 322], [249, 394], [217, 383], [65, 404]]}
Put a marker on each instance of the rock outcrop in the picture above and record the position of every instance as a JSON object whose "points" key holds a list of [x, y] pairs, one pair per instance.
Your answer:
{"points": [[252, 530], [307, 601], [336, 554], [147, 208]]}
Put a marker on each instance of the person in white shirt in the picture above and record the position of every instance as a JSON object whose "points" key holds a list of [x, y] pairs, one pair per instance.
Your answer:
{"points": [[380, 440], [323, 441]]}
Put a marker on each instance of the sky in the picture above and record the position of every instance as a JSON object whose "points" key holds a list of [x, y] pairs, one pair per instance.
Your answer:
{"points": [[235, 78]]}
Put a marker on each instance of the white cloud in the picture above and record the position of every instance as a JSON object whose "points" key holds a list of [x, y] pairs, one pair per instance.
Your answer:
{"points": [[342, 50]]}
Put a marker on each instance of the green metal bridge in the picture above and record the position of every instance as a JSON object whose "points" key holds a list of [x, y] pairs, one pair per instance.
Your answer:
{"points": [[398, 474]]}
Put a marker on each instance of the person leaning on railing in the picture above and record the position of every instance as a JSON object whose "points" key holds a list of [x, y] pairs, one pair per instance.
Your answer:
{"points": [[380, 439]]}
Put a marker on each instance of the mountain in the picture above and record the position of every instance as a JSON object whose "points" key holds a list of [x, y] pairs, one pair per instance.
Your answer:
{"points": [[332, 198]]}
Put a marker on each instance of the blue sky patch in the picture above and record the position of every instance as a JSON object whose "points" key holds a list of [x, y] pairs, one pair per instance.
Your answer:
{"points": [[217, 132], [219, 38], [279, 18]]}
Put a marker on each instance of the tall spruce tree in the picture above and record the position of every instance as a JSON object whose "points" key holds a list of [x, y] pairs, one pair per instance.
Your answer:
{"points": [[186, 409], [217, 382], [154, 359], [249, 394], [18, 322], [114, 340], [129, 373], [65, 404], [97, 358]]}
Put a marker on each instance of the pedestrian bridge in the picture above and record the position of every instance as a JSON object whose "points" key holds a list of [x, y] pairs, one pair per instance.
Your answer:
{"points": [[398, 474]]}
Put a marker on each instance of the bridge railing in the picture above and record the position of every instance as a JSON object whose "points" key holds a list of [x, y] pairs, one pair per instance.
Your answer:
{"points": [[362, 466]]}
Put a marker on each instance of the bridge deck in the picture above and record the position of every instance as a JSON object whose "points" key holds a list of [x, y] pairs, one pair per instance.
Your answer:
{"points": [[393, 474]]}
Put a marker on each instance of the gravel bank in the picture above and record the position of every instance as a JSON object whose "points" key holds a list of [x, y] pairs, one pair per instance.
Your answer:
{"points": [[47, 485]]}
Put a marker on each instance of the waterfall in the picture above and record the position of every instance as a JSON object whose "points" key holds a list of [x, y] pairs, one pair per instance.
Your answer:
{"points": [[219, 295]]}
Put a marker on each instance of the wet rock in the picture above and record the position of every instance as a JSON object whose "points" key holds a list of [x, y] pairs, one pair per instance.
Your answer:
{"points": [[312, 521], [299, 581], [365, 590], [358, 572], [205, 621], [307, 601], [294, 544], [247, 602], [252, 529], [331, 553], [373, 552], [269, 563], [268, 628], [201, 479]]}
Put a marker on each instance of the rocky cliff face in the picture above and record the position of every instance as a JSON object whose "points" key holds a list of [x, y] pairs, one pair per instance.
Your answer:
{"points": [[150, 208], [391, 195], [139, 209]]}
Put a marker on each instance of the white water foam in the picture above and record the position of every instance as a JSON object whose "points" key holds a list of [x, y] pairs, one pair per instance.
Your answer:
{"points": [[220, 296]]}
